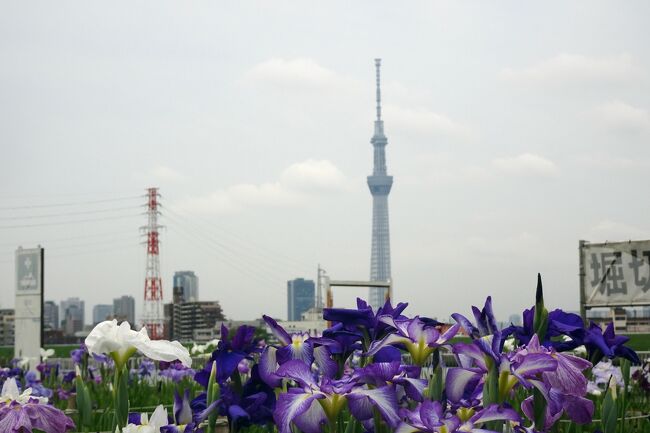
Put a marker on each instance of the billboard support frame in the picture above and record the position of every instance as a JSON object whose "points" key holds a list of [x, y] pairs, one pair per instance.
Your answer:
{"points": [[585, 303]]}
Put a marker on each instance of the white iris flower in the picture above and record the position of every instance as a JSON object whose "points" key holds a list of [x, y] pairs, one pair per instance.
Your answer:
{"points": [[121, 342]]}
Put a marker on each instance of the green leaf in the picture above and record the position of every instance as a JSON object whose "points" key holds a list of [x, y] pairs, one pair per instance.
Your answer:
{"points": [[539, 408], [609, 411]]}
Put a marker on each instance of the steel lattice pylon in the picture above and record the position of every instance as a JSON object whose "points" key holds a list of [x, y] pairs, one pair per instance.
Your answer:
{"points": [[152, 314], [380, 184]]}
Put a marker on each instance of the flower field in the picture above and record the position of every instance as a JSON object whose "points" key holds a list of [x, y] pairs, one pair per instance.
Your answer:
{"points": [[371, 371]]}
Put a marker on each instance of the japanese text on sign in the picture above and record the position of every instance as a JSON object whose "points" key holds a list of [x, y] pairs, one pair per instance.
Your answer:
{"points": [[616, 273]]}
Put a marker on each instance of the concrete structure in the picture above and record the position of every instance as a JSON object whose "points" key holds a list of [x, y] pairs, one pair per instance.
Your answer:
{"points": [[311, 322], [626, 321], [301, 296], [7, 327], [73, 315], [102, 312], [186, 287], [51, 315], [191, 319], [379, 184], [124, 309]]}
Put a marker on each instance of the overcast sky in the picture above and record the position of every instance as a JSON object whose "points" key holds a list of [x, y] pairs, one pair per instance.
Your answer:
{"points": [[515, 129]]}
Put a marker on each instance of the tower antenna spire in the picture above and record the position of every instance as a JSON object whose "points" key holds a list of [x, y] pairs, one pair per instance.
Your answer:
{"points": [[378, 73]]}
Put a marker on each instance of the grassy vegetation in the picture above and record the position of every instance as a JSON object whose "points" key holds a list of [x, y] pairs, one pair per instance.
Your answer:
{"points": [[60, 351], [639, 342]]}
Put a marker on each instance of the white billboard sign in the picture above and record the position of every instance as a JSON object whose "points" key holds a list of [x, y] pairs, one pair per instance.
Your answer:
{"points": [[29, 304], [615, 274]]}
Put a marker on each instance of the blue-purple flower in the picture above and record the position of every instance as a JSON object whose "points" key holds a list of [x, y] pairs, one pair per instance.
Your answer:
{"points": [[229, 353], [415, 335], [314, 402], [175, 371], [21, 412]]}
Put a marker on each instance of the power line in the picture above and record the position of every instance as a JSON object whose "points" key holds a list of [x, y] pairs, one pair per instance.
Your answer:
{"points": [[69, 222], [200, 241], [254, 248], [132, 237], [85, 252], [55, 215], [37, 206], [69, 238], [270, 269]]}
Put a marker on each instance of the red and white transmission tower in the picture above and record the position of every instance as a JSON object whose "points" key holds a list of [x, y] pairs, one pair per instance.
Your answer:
{"points": [[152, 315]]}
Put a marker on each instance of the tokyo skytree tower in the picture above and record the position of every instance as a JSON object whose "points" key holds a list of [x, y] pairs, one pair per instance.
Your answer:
{"points": [[379, 183]]}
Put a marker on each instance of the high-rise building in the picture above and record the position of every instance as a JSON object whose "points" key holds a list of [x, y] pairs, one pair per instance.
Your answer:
{"points": [[51, 315], [7, 327], [186, 287], [192, 317], [301, 295], [124, 309], [73, 314], [102, 312], [379, 184]]}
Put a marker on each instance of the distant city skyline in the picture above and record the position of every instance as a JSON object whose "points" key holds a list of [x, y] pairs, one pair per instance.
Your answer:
{"points": [[513, 139]]}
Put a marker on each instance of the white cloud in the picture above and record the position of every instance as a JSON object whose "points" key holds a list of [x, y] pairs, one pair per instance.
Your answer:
{"points": [[304, 72], [526, 164], [423, 121], [573, 68], [313, 175], [296, 184], [623, 117]]}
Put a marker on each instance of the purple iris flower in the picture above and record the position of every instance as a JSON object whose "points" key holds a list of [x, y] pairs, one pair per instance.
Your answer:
{"points": [[69, 376], [94, 374], [428, 417], [6, 373], [103, 359], [16, 417], [176, 371], [38, 390], [295, 346], [485, 323], [23, 413], [363, 323], [78, 355], [253, 404], [493, 412], [146, 368], [185, 420], [63, 394], [560, 323], [563, 387], [418, 338], [312, 403], [340, 341], [606, 343], [292, 346], [356, 329], [48, 370], [380, 374], [463, 383], [229, 353]]}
